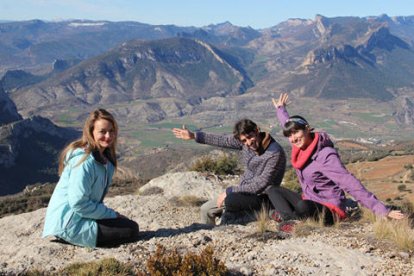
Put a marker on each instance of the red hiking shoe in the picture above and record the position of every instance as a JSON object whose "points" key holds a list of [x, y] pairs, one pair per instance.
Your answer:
{"points": [[287, 226], [275, 215]]}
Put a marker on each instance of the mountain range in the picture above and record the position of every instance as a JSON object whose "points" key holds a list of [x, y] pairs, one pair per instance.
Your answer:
{"points": [[352, 75], [329, 58]]}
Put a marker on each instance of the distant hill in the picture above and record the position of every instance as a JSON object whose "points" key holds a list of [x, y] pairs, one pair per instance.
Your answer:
{"points": [[338, 58], [35, 44], [173, 68], [29, 151], [14, 79]]}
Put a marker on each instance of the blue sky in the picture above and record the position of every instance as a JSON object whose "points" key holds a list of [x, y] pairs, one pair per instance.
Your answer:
{"points": [[254, 13]]}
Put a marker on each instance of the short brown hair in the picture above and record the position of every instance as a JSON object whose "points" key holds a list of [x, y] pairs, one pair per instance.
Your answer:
{"points": [[244, 126]]}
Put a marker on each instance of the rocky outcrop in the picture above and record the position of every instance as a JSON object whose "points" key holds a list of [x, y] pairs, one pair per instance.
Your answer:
{"points": [[381, 38], [348, 249], [405, 112], [176, 185], [330, 54]]}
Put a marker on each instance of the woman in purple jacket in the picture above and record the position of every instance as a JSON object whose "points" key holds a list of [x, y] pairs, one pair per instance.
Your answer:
{"points": [[322, 176]]}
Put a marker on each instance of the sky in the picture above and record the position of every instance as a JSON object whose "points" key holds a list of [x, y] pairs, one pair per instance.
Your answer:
{"points": [[254, 13]]}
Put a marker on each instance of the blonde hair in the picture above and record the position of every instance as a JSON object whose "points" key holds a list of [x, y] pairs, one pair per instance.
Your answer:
{"points": [[87, 141]]}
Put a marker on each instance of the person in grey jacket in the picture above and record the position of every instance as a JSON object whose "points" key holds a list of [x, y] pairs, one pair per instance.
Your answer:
{"points": [[264, 163]]}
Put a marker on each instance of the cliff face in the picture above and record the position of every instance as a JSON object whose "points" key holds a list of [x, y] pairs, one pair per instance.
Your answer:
{"points": [[8, 111], [405, 113], [29, 151]]}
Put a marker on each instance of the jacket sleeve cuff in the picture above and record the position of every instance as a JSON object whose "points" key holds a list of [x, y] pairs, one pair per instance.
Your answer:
{"points": [[199, 137]]}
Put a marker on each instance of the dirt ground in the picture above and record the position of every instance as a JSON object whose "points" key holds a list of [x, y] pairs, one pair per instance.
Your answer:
{"points": [[389, 178]]}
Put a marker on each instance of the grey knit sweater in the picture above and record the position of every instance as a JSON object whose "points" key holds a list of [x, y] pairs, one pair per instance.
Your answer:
{"points": [[260, 170]]}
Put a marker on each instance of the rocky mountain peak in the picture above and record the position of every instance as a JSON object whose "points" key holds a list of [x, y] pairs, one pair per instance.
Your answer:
{"points": [[329, 54], [405, 113], [322, 24], [382, 38]]}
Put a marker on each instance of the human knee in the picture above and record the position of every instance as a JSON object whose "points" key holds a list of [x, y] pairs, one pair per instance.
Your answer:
{"points": [[303, 208]]}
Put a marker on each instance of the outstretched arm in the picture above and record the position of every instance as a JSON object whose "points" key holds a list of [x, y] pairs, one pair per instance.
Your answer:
{"points": [[280, 105], [224, 141], [334, 170]]}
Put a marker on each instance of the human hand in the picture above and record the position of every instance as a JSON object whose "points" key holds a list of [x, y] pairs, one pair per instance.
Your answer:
{"points": [[220, 199], [282, 101], [396, 214], [183, 133]]}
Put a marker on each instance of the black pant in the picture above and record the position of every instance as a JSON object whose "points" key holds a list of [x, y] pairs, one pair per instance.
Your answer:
{"points": [[112, 232], [290, 205], [238, 202]]}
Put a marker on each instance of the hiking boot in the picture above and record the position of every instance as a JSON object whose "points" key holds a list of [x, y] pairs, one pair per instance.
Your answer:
{"points": [[287, 226], [275, 215]]}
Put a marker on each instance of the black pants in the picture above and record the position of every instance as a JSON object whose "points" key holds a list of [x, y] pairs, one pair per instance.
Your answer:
{"points": [[239, 202], [112, 232], [290, 205]]}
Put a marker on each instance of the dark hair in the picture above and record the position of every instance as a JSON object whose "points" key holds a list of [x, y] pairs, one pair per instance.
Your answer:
{"points": [[293, 124], [244, 126]]}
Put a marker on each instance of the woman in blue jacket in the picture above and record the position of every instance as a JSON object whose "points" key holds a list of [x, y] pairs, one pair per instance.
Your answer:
{"points": [[76, 212]]}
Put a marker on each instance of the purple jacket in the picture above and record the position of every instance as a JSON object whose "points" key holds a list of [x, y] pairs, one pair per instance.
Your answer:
{"points": [[325, 179]]}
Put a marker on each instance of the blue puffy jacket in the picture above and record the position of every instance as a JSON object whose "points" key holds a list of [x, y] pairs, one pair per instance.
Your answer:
{"points": [[77, 201]]}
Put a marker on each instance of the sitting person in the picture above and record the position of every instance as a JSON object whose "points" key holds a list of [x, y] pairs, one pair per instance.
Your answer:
{"points": [[76, 213], [322, 176], [264, 166]]}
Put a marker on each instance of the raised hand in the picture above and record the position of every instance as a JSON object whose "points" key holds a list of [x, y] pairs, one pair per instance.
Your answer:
{"points": [[396, 214], [282, 101], [183, 133]]}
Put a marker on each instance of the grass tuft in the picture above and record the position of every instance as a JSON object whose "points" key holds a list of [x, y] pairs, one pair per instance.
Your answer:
{"points": [[399, 232], [187, 201], [262, 220]]}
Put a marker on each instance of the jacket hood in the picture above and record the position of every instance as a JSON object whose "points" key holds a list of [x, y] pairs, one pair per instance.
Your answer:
{"points": [[74, 153], [324, 141]]}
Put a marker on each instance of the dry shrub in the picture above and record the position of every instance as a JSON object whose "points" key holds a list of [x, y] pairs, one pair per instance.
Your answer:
{"points": [[187, 201], [291, 182], [318, 223], [262, 220], [399, 232], [222, 165], [307, 227], [367, 215], [151, 191], [105, 267], [170, 262]]}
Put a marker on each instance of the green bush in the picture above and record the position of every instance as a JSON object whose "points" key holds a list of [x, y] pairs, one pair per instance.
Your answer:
{"points": [[165, 262], [291, 181], [223, 165]]}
